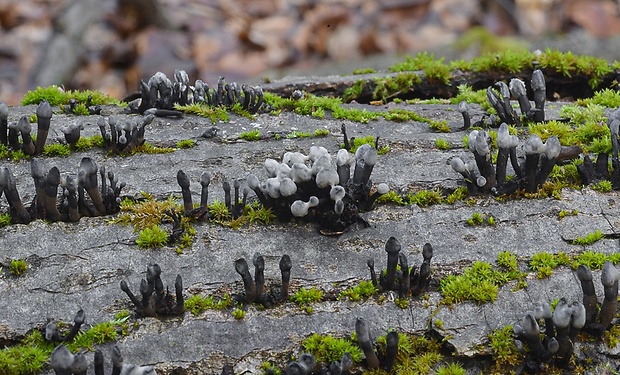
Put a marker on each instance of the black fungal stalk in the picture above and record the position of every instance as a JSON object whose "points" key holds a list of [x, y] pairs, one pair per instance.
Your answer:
{"points": [[155, 300], [44, 117], [159, 95]]}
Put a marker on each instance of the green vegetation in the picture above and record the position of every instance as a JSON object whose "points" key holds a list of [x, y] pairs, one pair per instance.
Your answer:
{"points": [[459, 194], [18, 267], [564, 213], [152, 237], [589, 238], [425, 198], [402, 303], [475, 219], [251, 135], [205, 110], [505, 353], [594, 260], [442, 144], [390, 87], [56, 149], [5, 219], [147, 212], [363, 290], [453, 368], [364, 71], [268, 368], [603, 186], [238, 314], [30, 356], [186, 143], [543, 263], [57, 96], [392, 197], [478, 283], [197, 304], [316, 133], [607, 98], [304, 297], [369, 139], [435, 71], [612, 336], [147, 148], [327, 348], [87, 143]]}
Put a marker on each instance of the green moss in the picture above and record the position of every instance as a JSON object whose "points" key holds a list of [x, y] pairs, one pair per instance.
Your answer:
{"points": [[459, 194], [507, 260], [5, 219], [607, 98], [603, 186], [327, 349], [442, 144], [440, 126], [364, 71], [389, 87], [355, 91], [505, 353], [612, 336], [147, 148], [402, 303], [238, 314], [568, 64], [145, 213], [152, 237], [476, 219], [18, 266], [251, 135], [321, 133], [543, 263], [268, 368], [305, 296], [26, 358], [363, 290], [197, 304], [56, 96], [564, 213], [506, 61], [425, 198], [259, 214], [589, 238], [205, 110], [563, 130], [591, 259], [392, 197], [453, 368], [123, 314], [479, 284], [56, 149], [435, 71], [186, 143], [87, 143], [18, 155], [467, 94], [219, 211]]}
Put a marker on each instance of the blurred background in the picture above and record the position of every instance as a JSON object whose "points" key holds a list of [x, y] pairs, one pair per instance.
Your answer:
{"points": [[110, 45]]}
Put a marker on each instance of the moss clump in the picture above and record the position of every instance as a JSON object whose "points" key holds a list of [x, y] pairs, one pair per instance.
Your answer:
{"points": [[147, 212], [476, 219], [568, 64], [197, 304], [543, 264], [390, 87], [564, 213], [505, 353], [268, 368], [363, 290], [442, 144], [152, 237], [592, 260], [507, 61], [392, 197], [479, 283], [57, 96], [18, 267], [589, 238], [607, 98], [327, 348], [251, 135], [305, 296], [612, 336], [425, 198], [603, 186], [435, 71], [238, 314], [316, 133], [87, 143], [364, 71], [354, 92], [186, 143], [453, 368], [370, 140], [147, 148], [56, 149], [5, 219], [459, 194], [204, 110]]}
